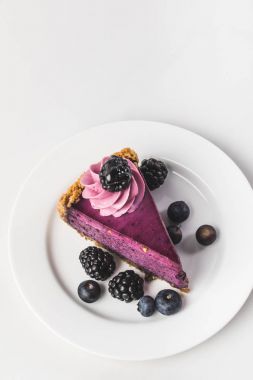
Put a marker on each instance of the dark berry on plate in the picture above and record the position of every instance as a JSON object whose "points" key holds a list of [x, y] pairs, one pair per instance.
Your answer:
{"points": [[97, 263], [178, 212], [89, 291], [206, 234], [115, 174], [175, 233], [154, 172], [126, 286], [146, 306], [181, 275], [168, 302]]}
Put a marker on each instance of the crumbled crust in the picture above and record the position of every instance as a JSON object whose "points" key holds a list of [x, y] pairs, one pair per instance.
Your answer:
{"points": [[71, 196], [150, 277], [128, 153], [185, 290]]}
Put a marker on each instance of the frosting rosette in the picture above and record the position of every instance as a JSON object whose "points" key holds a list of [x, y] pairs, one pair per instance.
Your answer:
{"points": [[112, 203]]}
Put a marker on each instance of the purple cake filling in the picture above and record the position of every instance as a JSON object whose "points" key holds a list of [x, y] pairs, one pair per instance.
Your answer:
{"points": [[149, 247]]}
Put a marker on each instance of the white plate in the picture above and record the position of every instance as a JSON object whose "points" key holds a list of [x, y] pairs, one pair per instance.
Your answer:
{"points": [[44, 251]]}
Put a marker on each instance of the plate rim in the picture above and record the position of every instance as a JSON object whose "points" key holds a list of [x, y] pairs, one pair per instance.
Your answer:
{"points": [[26, 181]]}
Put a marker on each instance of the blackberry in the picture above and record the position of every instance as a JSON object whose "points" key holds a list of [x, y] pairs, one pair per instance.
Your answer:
{"points": [[126, 286], [97, 263], [115, 174], [154, 172]]}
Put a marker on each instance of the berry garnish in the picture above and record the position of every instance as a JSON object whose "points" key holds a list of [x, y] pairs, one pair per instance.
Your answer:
{"points": [[181, 275], [97, 263], [115, 174], [178, 212], [146, 306], [206, 234], [175, 233], [126, 286], [89, 291], [168, 302], [154, 172]]}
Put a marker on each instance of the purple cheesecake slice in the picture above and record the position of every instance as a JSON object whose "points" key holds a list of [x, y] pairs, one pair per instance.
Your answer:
{"points": [[139, 237]]}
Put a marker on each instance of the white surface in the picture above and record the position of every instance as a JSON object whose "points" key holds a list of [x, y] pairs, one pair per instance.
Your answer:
{"points": [[68, 65], [54, 272]]}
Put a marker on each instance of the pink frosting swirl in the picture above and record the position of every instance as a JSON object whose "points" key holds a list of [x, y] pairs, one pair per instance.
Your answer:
{"points": [[109, 203]]}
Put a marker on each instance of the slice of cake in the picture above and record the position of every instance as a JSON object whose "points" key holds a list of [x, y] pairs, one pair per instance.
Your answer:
{"points": [[111, 204]]}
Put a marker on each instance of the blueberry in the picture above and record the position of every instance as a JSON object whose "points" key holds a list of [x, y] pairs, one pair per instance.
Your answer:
{"points": [[146, 306], [175, 233], [89, 291], [178, 212], [206, 234], [168, 302]]}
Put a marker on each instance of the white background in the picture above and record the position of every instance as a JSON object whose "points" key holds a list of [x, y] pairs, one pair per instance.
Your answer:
{"points": [[70, 64]]}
